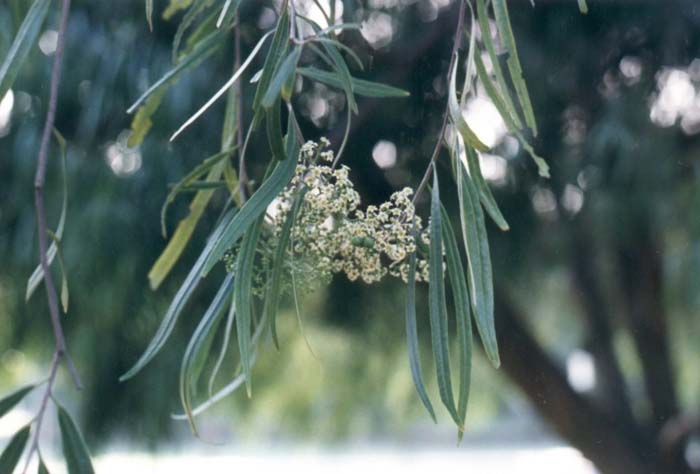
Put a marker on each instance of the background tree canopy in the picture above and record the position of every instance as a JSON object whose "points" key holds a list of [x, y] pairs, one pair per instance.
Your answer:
{"points": [[601, 263]]}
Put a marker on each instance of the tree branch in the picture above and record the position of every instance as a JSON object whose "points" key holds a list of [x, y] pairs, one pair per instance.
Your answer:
{"points": [[441, 134], [60, 351], [592, 431], [640, 268]]}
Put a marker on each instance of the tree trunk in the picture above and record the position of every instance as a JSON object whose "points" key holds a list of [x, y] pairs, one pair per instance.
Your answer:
{"points": [[597, 434]]}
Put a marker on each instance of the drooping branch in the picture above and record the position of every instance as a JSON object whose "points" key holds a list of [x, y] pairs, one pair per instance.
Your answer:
{"points": [[441, 135], [60, 351]]}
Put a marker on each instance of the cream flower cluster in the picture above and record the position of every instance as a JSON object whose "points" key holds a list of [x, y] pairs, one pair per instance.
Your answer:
{"points": [[331, 235]]}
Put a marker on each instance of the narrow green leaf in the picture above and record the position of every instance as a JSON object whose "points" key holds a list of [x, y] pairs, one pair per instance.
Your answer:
{"points": [[222, 15], [460, 296], [344, 74], [228, 13], [273, 123], [478, 260], [359, 86], [190, 178], [508, 117], [224, 88], [508, 106], [412, 336], [64, 273], [200, 345], [242, 296], [339, 27], [199, 53], [224, 346], [178, 302], [183, 232], [438, 305], [75, 451], [272, 298], [341, 68], [42, 469], [149, 13], [19, 50], [142, 122], [251, 210], [13, 451], [174, 7], [10, 401], [463, 128], [285, 71], [195, 10], [487, 199], [469, 74], [583, 6], [38, 274], [344, 48], [274, 57], [500, 10]]}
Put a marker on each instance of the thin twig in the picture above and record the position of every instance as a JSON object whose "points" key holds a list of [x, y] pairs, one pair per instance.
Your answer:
{"points": [[42, 229], [42, 408], [441, 135], [39, 180]]}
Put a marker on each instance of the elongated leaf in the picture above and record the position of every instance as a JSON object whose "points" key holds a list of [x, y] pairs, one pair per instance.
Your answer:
{"points": [[460, 296], [75, 451], [338, 63], [186, 227], [500, 10], [469, 74], [508, 117], [201, 51], [487, 199], [463, 128], [251, 210], [174, 7], [149, 13], [274, 57], [179, 301], [11, 400], [204, 167], [222, 15], [38, 274], [273, 121], [19, 50], [224, 346], [359, 86], [438, 305], [64, 272], [583, 6], [196, 9], [200, 345], [242, 296], [13, 451], [225, 87], [478, 261], [42, 469], [342, 47], [183, 232], [412, 337], [272, 298], [282, 75], [509, 107]]}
